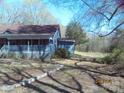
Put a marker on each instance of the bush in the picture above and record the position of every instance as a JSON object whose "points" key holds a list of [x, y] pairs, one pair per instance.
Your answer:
{"points": [[116, 57], [62, 53], [107, 60]]}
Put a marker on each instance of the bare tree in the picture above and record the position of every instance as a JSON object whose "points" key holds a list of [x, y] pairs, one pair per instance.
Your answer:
{"points": [[99, 12], [30, 12], [9, 15]]}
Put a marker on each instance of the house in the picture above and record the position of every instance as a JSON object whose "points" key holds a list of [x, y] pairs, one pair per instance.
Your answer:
{"points": [[68, 44], [32, 41]]}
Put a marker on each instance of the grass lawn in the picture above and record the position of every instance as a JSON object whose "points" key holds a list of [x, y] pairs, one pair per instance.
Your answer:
{"points": [[91, 54]]}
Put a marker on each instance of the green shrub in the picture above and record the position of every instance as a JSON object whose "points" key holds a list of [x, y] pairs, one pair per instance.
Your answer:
{"points": [[116, 57], [120, 60], [107, 60], [62, 53]]}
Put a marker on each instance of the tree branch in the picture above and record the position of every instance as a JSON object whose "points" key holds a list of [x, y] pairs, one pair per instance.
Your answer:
{"points": [[112, 30], [95, 10], [108, 18], [115, 11]]}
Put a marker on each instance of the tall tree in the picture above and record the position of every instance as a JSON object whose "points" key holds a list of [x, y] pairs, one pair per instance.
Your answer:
{"points": [[75, 31]]}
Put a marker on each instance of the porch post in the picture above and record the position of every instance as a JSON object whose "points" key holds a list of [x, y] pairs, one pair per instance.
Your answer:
{"points": [[8, 45], [39, 48]]}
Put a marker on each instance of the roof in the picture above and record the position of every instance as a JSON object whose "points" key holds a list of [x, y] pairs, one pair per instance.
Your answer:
{"points": [[29, 29], [26, 36], [66, 40]]}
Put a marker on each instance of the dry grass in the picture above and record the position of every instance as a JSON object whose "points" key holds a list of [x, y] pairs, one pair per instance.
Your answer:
{"points": [[7, 64], [91, 54]]}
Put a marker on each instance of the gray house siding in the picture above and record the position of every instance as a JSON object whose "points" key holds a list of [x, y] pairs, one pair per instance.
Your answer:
{"points": [[53, 42], [33, 51], [42, 51], [70, 46], [56, 37]]}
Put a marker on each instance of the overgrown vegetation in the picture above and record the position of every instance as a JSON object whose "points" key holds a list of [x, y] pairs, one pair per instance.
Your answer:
{"points": [[115, 57], [62, 53], [117, 50]]}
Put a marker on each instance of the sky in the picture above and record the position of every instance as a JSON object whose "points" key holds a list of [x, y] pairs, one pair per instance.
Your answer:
{"points": [[63, 15]]}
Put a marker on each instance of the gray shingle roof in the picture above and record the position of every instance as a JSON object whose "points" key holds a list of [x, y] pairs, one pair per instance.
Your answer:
{"points": [[26, 36], [29, 31], [32, 29]]}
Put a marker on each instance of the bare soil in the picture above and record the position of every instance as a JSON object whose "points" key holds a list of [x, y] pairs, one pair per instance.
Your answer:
{"points": [[75, 77]]}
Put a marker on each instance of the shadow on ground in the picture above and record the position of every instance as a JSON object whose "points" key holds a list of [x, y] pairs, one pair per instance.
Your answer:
{"points": [[58, 86]]}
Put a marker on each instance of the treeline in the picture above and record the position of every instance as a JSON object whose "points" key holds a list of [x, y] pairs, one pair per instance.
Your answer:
{"points": [[95, 44], [116, 49], [113, 44], [87, 42]]}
